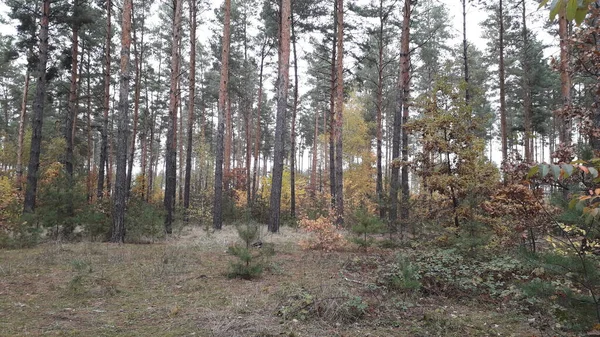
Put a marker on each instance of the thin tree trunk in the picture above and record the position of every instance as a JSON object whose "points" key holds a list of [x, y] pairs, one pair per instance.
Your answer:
{"points": [[399, 113], [180, 134], [38, 113], [282, 95], [263, 55], [339, 116], [139, 54], [315, 149], [334, 75], [293, 128], [527, 105], [104, 143], [465, 55], [89, 130], [218, 200], [191, 105], [503, 124], [405, 66], [120, 195], [565, 78], [379, 183], [22, 120], [171, 143], [72, 113]]}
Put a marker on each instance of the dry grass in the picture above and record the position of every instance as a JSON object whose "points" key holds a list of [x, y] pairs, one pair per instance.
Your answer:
{"points": [[178, 288]]}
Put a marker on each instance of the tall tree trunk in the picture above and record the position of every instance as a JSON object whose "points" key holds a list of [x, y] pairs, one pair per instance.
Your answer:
{"points": [[402, 91], [191, 105], [332, 108], [527, 105], [120, 195], [283, 80], [263, 55], [38, 112], [564, 132], [465, 55], [90, 170], [379, 183], [339, 116], [171, 143], [405, 66], [139, 54], [180, 134], [104, 144], [72, 112], [503, 126], [218, 200], [315, 150], [22, 120], [293, 128]]}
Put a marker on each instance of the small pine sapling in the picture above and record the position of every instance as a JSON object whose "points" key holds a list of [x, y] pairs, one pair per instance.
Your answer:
{"points": [[365, 226], [251, 256]]}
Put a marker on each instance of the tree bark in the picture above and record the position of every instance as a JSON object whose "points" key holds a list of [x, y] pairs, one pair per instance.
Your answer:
{"points": [[38, 112], [139, 54], [104, 144], [380, 68], [120, 195], [503, 124], [339, 116], [564, 132], [263, 55], [465, 55], [527, 105], [72, 111], [218, 200], [191, 105], [293, 128], [399, 113], [171, 143], [22, 120], [282, 95], [332, 108], [89, 130]]}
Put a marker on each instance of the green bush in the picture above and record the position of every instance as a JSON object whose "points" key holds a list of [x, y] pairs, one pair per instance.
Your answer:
{"points": [[251, 259], [144, 222], [365, 225]]}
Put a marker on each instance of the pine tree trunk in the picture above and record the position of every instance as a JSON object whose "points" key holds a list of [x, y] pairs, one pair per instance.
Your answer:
{"points": [[192, 94], [120, 195], [90, 169], [339, 116], [72, 113], [282, 95], [405, 66], [379, 183], [332, 108], [465, 55], [399, 113], [263, 55], [171, 143], [218, 199], [293, 128], [104, 142], [139, 54], [315, 149], [503, 125], [21, 136], [564, 130], [38, 112], [527, 105]]}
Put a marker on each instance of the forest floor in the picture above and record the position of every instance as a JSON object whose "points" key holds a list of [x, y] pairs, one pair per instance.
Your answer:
{"points": [[178, 287]]}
